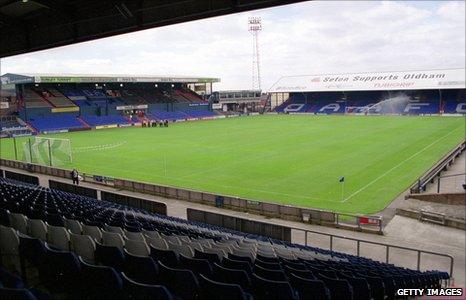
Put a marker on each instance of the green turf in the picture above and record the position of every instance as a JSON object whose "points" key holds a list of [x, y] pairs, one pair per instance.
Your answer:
{"points": [[287, 159]]}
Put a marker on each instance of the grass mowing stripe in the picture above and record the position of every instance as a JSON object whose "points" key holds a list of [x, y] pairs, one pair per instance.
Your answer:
{"points": [[398, 165], [289, 159]]}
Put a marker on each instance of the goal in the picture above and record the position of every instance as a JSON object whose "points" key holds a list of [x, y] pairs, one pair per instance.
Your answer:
{"points": [[47, 151]]}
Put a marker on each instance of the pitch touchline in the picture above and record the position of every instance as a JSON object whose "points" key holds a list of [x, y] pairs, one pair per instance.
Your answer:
{"points": [[393, 168]]}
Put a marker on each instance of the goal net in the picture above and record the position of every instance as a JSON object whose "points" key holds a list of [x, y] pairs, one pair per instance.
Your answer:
{"points": [[47, 151]]}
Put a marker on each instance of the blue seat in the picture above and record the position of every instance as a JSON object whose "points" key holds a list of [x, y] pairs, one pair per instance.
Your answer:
{"points": [[109, 256], [4, 217], [141, 269], [339, 288], [309, 288], [264, 289], [58, 270], [10, 280], [99, 282], [301, 273], [211, 257], [240, 258], [182, 283], [198, 266], [16, 294], [266, 259], [168, 257], [361, 289], [211, 289], [237, 264], [140, 291], [54, 219], [233, 276], [268, 265], [276, 275], [31, 251]]}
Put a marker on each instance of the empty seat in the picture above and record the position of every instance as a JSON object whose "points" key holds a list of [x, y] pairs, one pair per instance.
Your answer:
{"points": [[37, 229], [157, 242], [59, 270], [137, 236], [152, 234], [109, 256], [227, 275], [142, 269], [237, 264], [181, 249], [136, 247], [172, 238], [92, 231], [114, 229], [198, 266], [267, 257], [84, 246], [54, 219], [4, 217], [140, 291], [9, 247], [74, 226], [58, 237], [339, 288], [361, 289], [301, 273], [211, 289], [19, 222], [31, 253], [276, 275], [180, 282], [240, 258], [168, 257], [212, 257], [264, 289], [16, 294], [99, 282], [267, 265], [112, 239], [309, 289], [376, 285], [10, 280]]}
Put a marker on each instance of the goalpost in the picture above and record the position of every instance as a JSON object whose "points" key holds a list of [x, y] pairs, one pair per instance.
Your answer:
{"points": [[47, 151]]}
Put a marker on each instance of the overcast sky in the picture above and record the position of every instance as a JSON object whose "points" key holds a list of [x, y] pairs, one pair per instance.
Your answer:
{"points": [[305, 38]]}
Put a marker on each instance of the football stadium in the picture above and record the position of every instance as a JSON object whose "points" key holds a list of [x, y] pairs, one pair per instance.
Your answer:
{"points": [[129, 186]]}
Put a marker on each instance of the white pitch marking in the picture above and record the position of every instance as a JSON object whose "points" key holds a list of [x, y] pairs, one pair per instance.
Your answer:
{"points": [[98, 147], [414, 155]]}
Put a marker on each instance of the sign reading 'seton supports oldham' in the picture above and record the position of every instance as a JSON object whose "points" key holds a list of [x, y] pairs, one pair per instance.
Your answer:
{"points": [[408, 80]]}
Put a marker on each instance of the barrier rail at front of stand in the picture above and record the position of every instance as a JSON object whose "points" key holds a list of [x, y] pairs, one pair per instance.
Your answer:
{"points": [[387, 247]]}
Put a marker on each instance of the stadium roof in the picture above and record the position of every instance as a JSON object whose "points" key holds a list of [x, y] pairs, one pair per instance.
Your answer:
{"points": [[398, 80], [30, 25], [23, 78]]}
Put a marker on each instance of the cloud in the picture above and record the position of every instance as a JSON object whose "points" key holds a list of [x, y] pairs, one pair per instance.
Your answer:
{"points": [[305, 38]]}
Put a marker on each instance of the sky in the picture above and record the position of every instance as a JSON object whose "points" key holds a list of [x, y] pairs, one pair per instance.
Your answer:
{"points": [[314, 37]]}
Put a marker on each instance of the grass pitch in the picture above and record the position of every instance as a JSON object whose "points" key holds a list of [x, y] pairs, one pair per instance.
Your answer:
{"points": [[295, 160]]}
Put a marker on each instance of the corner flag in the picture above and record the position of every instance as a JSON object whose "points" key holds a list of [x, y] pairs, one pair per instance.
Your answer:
{"points": [[342, 181]]}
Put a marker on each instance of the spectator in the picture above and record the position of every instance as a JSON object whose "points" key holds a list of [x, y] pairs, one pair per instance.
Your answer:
{"points": [[75, 176]]}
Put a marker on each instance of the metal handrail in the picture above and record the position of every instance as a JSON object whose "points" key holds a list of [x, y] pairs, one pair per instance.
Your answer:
{"points": [[387, 247], [434, 171]]}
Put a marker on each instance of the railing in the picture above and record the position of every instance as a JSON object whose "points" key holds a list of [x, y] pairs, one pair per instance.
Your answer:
{"points": [[422, 182], [359, 242]]}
